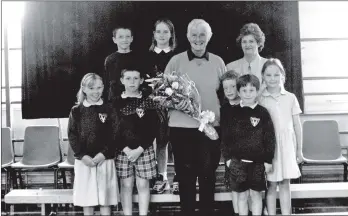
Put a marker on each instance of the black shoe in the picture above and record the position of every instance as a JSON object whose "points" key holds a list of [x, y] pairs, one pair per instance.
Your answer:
{"points": [[175, 188]]}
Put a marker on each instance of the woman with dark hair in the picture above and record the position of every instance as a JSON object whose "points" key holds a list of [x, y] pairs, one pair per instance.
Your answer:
{"points": [[252, 40]]}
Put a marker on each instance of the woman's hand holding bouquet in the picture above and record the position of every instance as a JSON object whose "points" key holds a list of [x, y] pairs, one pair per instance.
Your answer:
{"points": [[178, 92]]}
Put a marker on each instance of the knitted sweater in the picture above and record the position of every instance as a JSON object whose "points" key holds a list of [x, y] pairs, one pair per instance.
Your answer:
{"points": [[206, 76], [139, 122], [91, 130], [247, 133]]}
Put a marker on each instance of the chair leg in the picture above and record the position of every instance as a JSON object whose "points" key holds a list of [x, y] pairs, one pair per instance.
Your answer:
{"points": [[55, 172], [301, 177], [6, 187], [345, 172], [14, 178], [20, 179], [64, 178], [6, 182]]}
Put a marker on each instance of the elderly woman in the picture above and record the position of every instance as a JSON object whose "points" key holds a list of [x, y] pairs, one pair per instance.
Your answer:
{"points": [[252, 40], [195, 154]]}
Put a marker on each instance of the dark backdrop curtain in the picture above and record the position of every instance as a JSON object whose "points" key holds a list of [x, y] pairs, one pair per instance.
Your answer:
{"points": [[62, 41]]}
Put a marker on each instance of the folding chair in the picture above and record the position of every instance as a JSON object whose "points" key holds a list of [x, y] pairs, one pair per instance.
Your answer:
{"points": [[321, 145], [7, 156], [41, 150], [68, 163]]}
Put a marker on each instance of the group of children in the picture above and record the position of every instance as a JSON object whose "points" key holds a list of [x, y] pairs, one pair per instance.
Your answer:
{"points": [[112, 131], [261, 139], [114, 124]]}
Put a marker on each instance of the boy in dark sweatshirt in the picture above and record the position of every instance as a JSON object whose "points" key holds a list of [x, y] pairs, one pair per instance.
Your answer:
{"points": [[248, 144]]}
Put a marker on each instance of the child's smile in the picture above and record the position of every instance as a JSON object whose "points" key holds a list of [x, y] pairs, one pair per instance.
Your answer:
{"points": [[93, 92]]}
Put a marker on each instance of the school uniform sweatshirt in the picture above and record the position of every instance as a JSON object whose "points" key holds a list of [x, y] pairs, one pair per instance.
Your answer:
{"points": [[157, 62], [247, 133], [139, 122], [91, 130]]}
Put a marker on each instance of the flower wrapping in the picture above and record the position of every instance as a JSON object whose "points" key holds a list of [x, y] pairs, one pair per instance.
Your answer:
{"points": [[171, 89]]}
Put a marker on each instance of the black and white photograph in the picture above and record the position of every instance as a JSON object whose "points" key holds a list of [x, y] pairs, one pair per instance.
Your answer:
{"points": [[174, 108]]}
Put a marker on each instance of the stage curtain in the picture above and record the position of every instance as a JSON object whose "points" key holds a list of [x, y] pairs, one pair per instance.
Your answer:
{"points": [[62, 41]]}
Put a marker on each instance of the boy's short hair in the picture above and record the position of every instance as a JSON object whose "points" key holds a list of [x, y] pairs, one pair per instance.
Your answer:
{"points": [[248, 79], [121, 27], [132, 69]]}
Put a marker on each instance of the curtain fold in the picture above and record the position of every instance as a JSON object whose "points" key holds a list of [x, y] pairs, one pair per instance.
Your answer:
{"points": [[62, 41], [287, 32]]}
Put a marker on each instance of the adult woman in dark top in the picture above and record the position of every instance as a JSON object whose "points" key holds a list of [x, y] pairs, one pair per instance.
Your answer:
{"points": [[160, 52]]}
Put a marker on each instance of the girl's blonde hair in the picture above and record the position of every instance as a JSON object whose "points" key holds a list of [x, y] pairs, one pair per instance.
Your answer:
{"points": [[276, 62], [88, 80]]}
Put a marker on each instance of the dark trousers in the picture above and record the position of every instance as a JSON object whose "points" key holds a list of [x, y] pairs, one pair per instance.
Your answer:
{"points": [[195, 155]]}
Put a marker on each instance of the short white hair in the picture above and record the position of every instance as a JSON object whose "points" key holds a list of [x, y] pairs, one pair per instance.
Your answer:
{"points": [[197, 22]]}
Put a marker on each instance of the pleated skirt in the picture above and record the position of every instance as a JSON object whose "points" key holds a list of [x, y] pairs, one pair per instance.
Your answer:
{"points": [[97, 185]]}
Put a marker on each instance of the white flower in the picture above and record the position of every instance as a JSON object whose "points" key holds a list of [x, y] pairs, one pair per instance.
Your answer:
{"points": [[169, 91], [208, 116], [175, 85]]}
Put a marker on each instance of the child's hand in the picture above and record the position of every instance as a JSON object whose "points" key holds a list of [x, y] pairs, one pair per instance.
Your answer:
{"points": [[268, 167], [99, 158], [88, 161], [126, 150], [134, 154], [228, 163]]}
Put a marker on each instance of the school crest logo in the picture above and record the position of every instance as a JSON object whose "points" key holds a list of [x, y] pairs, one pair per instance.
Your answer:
{"points": [[140, 112], [102, 117], [254, 121]]}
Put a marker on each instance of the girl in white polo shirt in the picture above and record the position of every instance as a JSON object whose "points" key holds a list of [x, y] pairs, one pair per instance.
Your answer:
{"points": [[284, 110]]}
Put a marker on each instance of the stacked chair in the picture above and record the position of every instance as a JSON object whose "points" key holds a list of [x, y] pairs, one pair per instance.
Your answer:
{"points": [[7, 157]]}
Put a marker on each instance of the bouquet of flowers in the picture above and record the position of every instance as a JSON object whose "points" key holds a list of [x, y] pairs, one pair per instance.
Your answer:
{"points": [[170, 90]]}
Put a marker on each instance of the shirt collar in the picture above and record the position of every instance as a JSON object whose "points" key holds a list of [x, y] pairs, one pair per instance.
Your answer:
{"points": [[124, 95], [191, 55], [255, 61], [252, 106], [87, 104], [158, 50], [267, 93]]}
